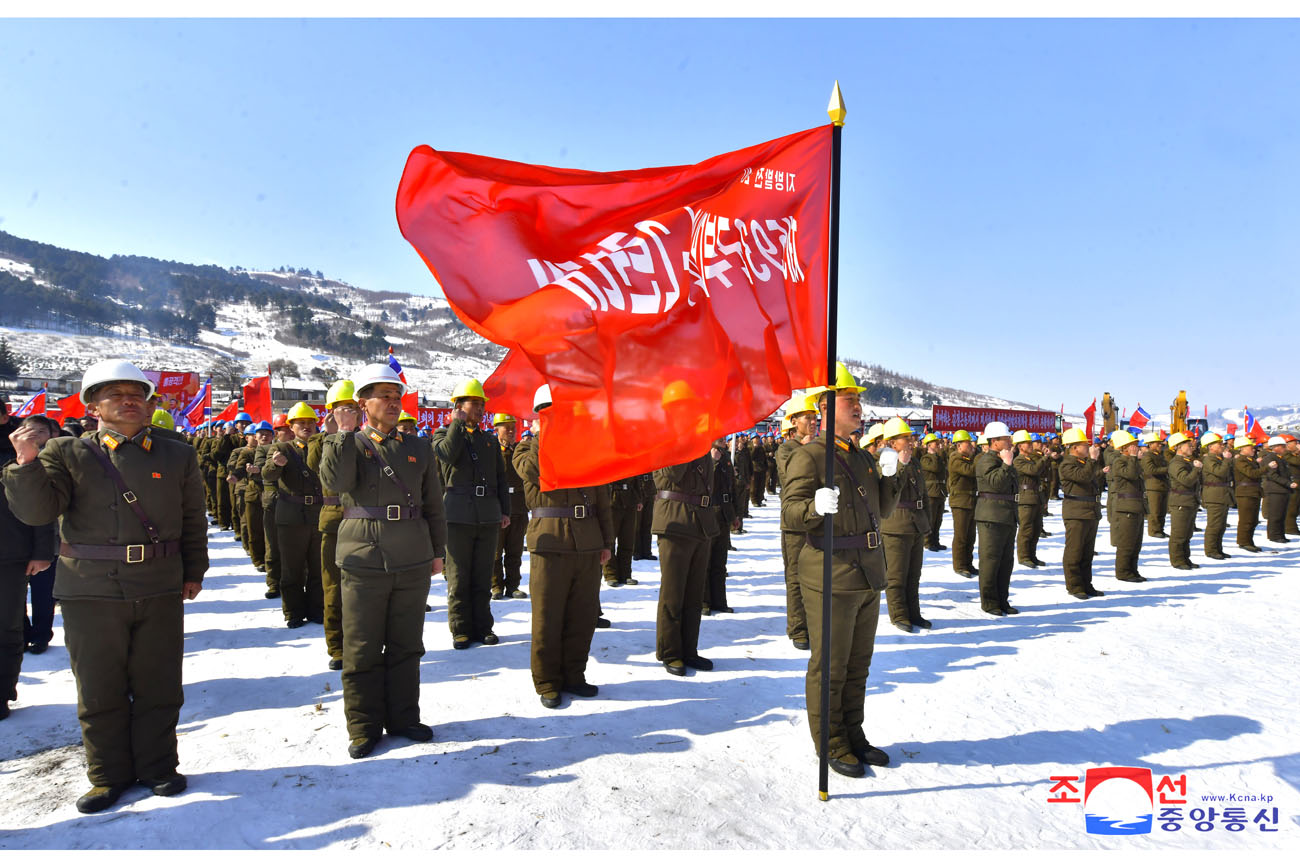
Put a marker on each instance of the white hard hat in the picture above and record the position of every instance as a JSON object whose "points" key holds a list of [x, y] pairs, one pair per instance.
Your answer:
{"points": [[542, 397], [113, 370], [375, 374], [1275, 440], [995, 429]]}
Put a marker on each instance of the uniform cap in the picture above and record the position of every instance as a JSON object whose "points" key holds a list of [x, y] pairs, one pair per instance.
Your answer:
{"points": [[162, 418], [376, 374], [113, 370], [469, 389], [342, 391], [261, 427], [302, 412], [995, 430], [1122, 439]]}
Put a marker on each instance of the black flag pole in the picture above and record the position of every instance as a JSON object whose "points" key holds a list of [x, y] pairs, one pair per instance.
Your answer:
{"points": [[837, 113]]}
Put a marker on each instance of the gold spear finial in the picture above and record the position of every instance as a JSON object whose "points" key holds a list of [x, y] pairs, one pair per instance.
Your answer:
{"points": [[836, 108]]}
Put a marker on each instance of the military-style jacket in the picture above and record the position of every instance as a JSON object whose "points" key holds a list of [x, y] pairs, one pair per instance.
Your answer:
{"points": [[911, 515], [1029, 471], [590, 525], [331, 512], [935, 470], [961, 480], [300, 494], [220, 452], [270, 490], [1183, 478], [995, 483], [1277, 478], [514, 484], [1127, 493], [866, 500], [473, 474], [20, 543], [689, 519], [744, 467], [67, 480], [782, 458], [1216, 480], [236, 463], [1247, 476], [1155, 471], [1081, 488], [757, 458], [372, 546], [626, 494], [723, 502]]}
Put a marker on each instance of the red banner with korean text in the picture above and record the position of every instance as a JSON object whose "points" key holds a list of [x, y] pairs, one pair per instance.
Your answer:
{"points": [[664, 306], [175, 391], [974, 418]]}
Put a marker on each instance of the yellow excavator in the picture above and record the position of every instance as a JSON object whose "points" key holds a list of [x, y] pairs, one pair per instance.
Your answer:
{"points": [[1178, 414], [1108, 414]]}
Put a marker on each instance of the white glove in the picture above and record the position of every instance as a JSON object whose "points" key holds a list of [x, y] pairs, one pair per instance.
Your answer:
{"points": [[826, 500], [888, 460]]}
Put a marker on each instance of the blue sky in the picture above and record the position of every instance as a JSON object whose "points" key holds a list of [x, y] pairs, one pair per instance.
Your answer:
{"points": [[1040, 210]]}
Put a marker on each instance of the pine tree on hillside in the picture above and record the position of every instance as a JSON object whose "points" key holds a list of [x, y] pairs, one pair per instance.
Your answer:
{"points": [[8, 361]]}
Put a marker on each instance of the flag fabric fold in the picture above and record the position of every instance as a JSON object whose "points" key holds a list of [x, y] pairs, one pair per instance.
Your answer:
{"points": [[1090, 416], [200, 406], [1139, 420], [228, 413], [411, 396], [35, 405], [665, 307], [1251, 427], [257, 398], [72, 407]]}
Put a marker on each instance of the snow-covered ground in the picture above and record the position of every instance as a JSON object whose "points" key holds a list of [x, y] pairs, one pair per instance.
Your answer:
{"points": [[1191, 673]]}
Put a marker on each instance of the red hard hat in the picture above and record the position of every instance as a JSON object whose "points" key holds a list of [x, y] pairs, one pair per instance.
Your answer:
{"points": [[281, 420]]}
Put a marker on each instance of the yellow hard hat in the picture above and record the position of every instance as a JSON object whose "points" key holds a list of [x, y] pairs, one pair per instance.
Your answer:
{"points": [[406, 416], [677, 391], [1210, 438], [162, 418], [1072, 436], [961, 436], [1122, 439], [1151, 438], [895, 427], [1242, 441], [500, 418], [469, 389], [1177, 439], [1022, 436], [302, 412], [929, 437], [787, 424], [341, 391], [874, 432], [844, 380]]}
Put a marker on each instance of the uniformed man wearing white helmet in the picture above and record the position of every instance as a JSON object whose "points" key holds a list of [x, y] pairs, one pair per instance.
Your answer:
{"points": [[995, 519]]}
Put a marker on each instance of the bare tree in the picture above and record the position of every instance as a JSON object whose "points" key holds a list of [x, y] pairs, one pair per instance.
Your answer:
{"points": [[227, 374], [283, 369]]}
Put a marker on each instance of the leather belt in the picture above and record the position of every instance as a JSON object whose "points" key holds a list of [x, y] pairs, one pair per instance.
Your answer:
{"points": [[129, 553], [1178, 492], [382, 512], [577, 512], [866, 541], [1080, 498], [1128, 495], [1241, 484], [330, 500], [312, 500], [474, 490], [702, 501], [918, 505], [1215, 484], [1000, 497]]}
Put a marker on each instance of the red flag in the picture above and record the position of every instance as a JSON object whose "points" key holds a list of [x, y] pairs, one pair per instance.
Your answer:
{"points": [[257, 398], [35, 405], [228, 413], [411, 403], [72, 407], [1232, 428], [1090, 415], [664, 306], [201, 406]]}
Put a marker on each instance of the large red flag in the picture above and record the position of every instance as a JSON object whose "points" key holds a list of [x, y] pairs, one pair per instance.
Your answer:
{"points": [[1090, 415], [228, 413], [665, 307], [257, 398], [72, 407]]}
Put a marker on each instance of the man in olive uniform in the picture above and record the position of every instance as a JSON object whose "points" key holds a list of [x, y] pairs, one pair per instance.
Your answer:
{"points": [[995, 517], [770, 444], [1184, 475], [724, 514], [476, 500], [237, 478], [934, 468], [1216, 493], [570, 534], [506, 565], [1155, 477], [297, 521], [802, 414], [1292, 458], [206, 470], [645, 517], [1029, 469], [743, 470], [1277, 488], [869, 494], [904, 532], [134, 544], [249, 473], [758, 471], [1126, 505], [1247, 482], [392, 538], [1080, 478], [961, 501], [625, 506], [1054, 455], [340, 402], [281, 432], [685, 526]]}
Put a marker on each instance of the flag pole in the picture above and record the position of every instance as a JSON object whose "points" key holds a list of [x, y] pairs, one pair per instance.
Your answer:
{"points": [[837, 113]]}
